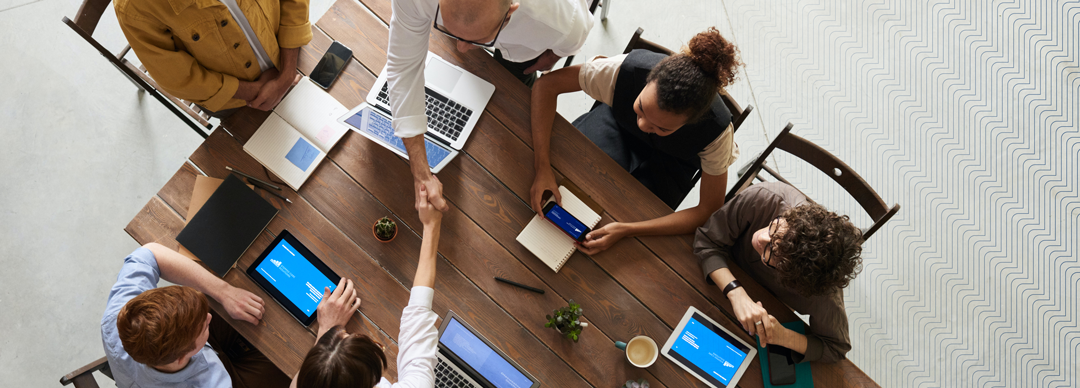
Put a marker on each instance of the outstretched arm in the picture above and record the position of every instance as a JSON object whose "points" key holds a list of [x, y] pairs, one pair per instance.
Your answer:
{"points": [[545, 95], [180, 269]]}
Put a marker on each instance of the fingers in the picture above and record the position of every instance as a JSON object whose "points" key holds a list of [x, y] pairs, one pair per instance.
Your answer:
{"points": [[349, 291], [356, 304], [422, 198], [340, 287]]}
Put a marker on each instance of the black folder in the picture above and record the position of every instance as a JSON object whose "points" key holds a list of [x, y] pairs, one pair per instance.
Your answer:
{"points": [[226, 225]]}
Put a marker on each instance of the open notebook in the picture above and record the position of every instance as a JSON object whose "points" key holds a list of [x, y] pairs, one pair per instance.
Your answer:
{"points": [[296, 136], [547, 241]]}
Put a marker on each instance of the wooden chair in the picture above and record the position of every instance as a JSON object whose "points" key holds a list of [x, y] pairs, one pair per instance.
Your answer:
{"points": [[84, 377], [86, 21], [829, 164]]}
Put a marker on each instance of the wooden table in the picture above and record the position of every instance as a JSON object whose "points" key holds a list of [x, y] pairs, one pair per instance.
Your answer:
{"points": [[641, 286]]}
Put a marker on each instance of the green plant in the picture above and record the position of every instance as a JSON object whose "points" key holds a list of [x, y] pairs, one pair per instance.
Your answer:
{"points": [[385, 229], [641, 383], [567, 320]]}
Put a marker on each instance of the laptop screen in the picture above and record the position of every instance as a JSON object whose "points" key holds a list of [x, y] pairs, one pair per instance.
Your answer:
{"points": [[482, 358], [380, 127]]}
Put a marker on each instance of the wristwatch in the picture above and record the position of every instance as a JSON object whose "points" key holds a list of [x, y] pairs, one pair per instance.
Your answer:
{"points": [[731, 286]]}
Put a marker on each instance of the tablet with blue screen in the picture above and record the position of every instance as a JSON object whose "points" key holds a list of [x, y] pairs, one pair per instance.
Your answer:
{"points": [[708, 351], [293, 276]]}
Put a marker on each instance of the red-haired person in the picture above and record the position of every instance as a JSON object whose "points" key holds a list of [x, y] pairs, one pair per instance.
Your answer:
{"points": [[341, 359], [659, 117], [798, 250], [158, 337]]}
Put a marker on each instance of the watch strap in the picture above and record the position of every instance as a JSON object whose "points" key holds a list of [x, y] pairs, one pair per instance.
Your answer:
{"points": [[731, 286]]}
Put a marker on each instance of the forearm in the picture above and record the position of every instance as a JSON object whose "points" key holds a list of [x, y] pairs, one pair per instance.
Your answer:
{"points": [[542, 118], [290, 57], [425, 270], [180, 269], [792, 340], [247, 91], [414, 146], [685, 221]]}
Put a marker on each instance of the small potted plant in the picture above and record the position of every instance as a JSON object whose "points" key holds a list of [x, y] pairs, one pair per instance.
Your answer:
{"points": [[567, 320], [384, 230], [641, 383]]}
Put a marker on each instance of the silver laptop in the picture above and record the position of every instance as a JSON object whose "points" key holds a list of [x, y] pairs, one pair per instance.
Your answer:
{"points": [[466, 359], [455, 99]]}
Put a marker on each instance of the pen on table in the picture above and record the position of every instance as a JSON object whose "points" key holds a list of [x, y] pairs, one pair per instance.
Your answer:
{"points": [[263, 186], [268, 184], [512, 283]]}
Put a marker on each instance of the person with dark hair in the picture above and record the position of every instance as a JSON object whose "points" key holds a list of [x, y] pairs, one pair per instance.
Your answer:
{"points": [[659, 117], [158, 337], [795, 248], [343, 360]]}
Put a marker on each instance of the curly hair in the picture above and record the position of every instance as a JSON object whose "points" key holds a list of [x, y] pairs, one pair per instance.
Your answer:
{"points": [[338, 360], [687, 82], [821, 250]]}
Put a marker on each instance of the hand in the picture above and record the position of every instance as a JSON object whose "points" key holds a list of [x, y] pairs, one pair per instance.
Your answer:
{"points": [[544, 181], [603, 238], [337, 307], [429, 216], [432, 192], [750, 313], [271, 93], [543, 63], [242, 305], [775, 333]]}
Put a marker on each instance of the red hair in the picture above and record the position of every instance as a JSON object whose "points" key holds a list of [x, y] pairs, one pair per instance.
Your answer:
{"points": [[161, 325]]}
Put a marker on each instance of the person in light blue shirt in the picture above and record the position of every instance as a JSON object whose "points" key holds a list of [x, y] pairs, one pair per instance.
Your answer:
{"points": [[157, 337]]}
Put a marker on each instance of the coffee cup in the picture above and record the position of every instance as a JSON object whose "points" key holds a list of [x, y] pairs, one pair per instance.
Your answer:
{"points": [[641, 351]]}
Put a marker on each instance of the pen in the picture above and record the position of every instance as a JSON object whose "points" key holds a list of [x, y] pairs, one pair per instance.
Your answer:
{"points": [[261, 185], [268, 184], [533, 289]]}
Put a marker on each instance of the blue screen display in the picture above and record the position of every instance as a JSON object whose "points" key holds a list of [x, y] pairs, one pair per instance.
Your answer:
{"points": [[482, 358], [709, 351], [565, 221], [379, 127], [294, 277]]}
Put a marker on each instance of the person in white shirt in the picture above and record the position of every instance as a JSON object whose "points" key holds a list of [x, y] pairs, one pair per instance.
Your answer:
{"points": [[527, 36], [340, 359]]}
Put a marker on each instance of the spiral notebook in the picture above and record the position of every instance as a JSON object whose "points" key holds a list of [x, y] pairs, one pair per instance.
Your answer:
{"points": [[547, 241]]}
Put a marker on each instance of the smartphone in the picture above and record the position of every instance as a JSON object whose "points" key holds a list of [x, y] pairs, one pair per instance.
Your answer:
{"points": [[781, 365], [566, 222], [331, 65]]}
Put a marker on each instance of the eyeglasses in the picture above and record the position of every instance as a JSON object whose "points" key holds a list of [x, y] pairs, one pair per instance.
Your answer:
{"points": [[769, 248], [435, 24]]}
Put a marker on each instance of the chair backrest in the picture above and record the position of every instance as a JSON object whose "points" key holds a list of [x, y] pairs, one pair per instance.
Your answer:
{"points": [[86, 22], [84, 377], [827, 163]]}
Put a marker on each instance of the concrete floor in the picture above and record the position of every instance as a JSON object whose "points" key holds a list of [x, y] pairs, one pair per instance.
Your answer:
{"points": [[948, 295]]}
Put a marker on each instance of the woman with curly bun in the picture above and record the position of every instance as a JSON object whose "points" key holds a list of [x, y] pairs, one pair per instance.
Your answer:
{"points": [[660, 117], [798, 250]]}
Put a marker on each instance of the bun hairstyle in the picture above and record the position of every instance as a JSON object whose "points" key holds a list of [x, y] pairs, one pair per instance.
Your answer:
{"points": [[340, 360], [687, 82]]}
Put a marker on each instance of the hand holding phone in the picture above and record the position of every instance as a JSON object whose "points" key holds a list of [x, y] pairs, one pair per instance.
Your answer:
{"points": [[566, 222]]}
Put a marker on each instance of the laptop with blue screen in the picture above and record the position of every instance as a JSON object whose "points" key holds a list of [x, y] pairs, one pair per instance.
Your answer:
{"points": [[466, 359], [454, 100]]}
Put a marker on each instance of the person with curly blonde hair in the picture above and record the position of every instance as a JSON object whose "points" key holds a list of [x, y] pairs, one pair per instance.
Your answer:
{"points": [[803, 253]]}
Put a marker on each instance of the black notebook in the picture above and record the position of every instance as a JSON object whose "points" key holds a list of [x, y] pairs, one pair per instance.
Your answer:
{"points": [[226, 225]]}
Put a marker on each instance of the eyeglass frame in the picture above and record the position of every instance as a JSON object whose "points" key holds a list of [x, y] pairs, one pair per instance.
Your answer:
{"points": [[435, 25], [769, 248]]}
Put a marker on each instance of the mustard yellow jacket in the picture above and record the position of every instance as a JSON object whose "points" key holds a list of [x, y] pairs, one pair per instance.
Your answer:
{"points": [[196, 51]]}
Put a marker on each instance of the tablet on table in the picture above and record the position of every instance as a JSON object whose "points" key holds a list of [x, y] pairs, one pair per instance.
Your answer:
{"points": [[708, 351], [293, 276]]}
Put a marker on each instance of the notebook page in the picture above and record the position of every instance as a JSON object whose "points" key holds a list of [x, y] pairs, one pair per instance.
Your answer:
{"points": [[577, 208], [547, 242], [314, 113], [271, 145]]}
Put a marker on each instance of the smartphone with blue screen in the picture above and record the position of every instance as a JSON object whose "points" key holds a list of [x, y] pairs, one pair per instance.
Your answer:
{"points": [[566, 222]]}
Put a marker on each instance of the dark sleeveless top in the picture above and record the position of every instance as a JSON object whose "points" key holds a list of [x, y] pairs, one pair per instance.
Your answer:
{"points": [[687, 141]]}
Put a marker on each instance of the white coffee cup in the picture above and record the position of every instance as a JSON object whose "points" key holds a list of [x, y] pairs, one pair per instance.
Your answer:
{"points": [[641, 351]]}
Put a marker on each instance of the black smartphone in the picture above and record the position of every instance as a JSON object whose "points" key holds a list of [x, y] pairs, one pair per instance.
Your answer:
{"points": [[566, 222], [331, 65], [781, 365]]}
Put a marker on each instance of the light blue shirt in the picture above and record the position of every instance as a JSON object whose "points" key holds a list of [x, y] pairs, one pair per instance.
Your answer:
{"points": [[139, 274]]}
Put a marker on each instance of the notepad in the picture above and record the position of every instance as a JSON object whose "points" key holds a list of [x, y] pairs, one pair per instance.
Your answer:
{"points": [[226, 225], [296, 136], [547, 241]]}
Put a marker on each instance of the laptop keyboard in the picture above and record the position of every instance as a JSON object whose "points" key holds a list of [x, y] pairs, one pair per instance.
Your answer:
{"points": [[444, 115], [448, 377]]}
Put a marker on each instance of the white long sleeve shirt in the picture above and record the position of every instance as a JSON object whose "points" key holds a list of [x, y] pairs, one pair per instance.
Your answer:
{"points": [[418, 343], [538, 25]]}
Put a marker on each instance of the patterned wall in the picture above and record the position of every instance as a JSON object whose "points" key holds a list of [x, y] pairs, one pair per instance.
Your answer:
{"points": [[965, 113]]}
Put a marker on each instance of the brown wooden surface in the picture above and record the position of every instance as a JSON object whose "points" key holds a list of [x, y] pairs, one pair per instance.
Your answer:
{"points": [[639, 286]]}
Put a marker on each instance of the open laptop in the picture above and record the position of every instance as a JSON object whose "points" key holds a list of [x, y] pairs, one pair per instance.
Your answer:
{"points": [[466, 359], [454, 97]]}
